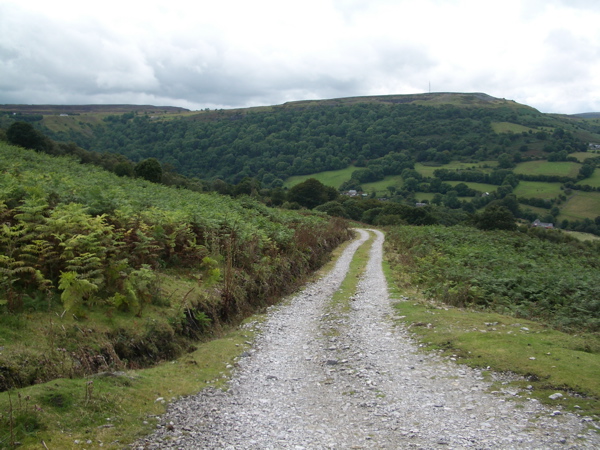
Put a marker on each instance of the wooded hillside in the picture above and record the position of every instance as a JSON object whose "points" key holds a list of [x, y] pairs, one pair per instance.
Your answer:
{"points": [[273, 143]]}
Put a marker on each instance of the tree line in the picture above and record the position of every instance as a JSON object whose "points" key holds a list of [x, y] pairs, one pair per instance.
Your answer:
{"points": [[271, 146]]}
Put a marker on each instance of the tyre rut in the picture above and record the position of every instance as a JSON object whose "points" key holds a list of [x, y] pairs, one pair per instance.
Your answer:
{"points": [[317, 377]]}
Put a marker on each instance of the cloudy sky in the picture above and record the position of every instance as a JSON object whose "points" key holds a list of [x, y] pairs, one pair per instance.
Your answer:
{"points": [[237, 53]]}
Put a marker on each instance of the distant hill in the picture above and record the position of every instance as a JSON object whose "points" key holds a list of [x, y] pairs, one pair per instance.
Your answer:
{"points": [[79, 109], [272, 143], [461, 150], [588, 115]]}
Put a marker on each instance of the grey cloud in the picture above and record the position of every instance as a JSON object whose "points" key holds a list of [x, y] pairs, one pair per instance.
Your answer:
{"points": [[89, 60]]}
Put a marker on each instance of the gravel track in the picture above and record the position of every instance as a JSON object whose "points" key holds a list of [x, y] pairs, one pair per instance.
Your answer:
{"points": [[318, 377]]}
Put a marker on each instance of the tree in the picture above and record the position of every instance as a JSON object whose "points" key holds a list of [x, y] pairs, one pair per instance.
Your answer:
{"points": [[495, 217], [149, 169], [451, 200], [24, 135], [333, 209], [586, 171], [505, 161], [311, 193], [248, 186], [124, 169]]}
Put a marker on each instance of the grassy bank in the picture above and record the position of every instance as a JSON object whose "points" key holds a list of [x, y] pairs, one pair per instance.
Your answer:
{"points": [[113, 409], [550, 360]]}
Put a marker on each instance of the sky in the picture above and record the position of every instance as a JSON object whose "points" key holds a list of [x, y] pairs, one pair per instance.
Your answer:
{"points": [[240, 53]]}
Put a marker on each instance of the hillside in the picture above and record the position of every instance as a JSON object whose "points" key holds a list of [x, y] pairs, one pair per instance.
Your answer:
{"points": [[104, 275], [88, 109], [123, 273], [274, 142], [440, 148]]}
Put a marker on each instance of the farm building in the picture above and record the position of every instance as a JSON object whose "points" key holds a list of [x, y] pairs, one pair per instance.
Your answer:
{"points": [[538, 224]]}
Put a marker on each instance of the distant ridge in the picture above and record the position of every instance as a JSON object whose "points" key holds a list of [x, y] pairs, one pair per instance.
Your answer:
{"points": [[456, 98], [587, 115], [464, 99], [78, 109]]}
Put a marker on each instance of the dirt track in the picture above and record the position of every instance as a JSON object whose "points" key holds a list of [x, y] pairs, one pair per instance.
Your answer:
{"points": [[317, 379]]}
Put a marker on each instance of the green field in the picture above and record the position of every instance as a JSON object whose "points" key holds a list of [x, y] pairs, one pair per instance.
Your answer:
{"points": [[582, 156], [581, 205], [427, 169], [508, 127], [537, 189], [594, 180], [81, 122], [481, 187], [424, 196], [583, 236], [333, 178], [380, 187], [539, 211], [561, 169]]}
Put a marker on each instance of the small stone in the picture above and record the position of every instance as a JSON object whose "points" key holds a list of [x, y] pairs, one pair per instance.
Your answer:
{"points": [[331, 362], [532, 358], [557, 413], [555, 396]]}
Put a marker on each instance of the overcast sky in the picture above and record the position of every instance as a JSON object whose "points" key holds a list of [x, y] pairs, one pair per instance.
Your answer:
{"points": [[224, 54]]}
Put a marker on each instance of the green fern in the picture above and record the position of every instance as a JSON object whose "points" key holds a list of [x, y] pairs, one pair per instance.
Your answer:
{"points": [[76, 291]]}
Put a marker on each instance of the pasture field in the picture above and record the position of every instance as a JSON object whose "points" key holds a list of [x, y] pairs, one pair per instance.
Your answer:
{"points": [[424, 196], [582, 156], [380, 187], [333, 178], [508, 127], [537, 189], [427, 170], [428, 196], [593, 181], [82, 122], [539, 211], [77, 124], [561, 169], [582, 236], [581, 205], [481, 187]]}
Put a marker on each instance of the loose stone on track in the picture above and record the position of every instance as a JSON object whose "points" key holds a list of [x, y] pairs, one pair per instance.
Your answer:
{"points": [[316, 379]]}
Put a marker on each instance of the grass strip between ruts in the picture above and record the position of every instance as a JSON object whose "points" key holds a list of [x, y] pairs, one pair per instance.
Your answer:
{"points": [[341, 299]]}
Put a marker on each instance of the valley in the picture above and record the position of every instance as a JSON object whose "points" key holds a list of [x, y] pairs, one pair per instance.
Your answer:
{"points": [[140, 244]]}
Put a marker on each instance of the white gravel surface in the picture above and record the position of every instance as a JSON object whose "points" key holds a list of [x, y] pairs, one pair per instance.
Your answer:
{"points": [[320, 378]]}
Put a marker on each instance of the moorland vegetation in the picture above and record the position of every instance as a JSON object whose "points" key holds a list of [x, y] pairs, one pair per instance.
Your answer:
{"points": [[134, 270]]}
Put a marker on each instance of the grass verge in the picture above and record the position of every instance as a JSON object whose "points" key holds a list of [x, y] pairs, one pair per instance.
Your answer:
{"points": [[112, 410], [548, 360], [340, 301]]}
